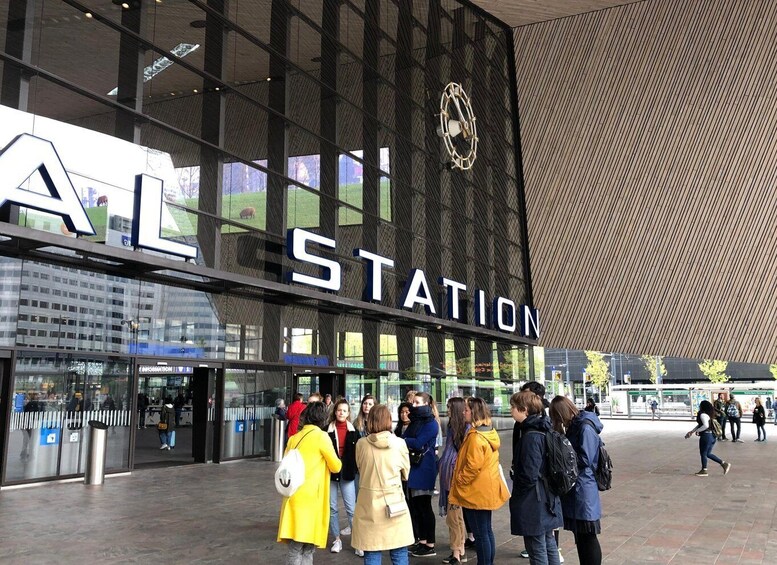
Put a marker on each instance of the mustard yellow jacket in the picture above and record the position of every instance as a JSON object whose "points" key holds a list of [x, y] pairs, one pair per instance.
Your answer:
{"points": [[477, 483]]}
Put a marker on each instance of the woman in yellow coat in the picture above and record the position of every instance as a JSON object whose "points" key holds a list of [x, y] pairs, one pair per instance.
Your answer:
{"points": [[477, 485], [304, 519]]}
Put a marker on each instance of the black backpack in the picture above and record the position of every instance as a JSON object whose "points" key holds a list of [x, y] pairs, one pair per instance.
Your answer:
{"points": [[603, 471], [560, 462]]}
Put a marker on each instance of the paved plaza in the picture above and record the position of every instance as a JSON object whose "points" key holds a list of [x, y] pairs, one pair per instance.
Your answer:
{"points": [[657, 511]]}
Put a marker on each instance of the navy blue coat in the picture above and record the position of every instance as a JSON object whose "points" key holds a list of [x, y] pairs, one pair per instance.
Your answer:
{"points": [[582, 502], [534, 510], [421, 435]]}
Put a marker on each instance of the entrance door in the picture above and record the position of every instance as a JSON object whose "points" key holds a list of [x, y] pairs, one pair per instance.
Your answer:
{"points": [[191, 392], [326, 382]]}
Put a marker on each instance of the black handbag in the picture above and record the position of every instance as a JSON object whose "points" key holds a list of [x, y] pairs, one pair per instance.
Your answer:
{"points": [[416, 457]]}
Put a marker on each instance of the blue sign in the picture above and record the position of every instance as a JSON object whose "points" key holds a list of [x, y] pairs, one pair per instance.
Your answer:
{"points": [[240, 426], [49, 436], [313, 360]]}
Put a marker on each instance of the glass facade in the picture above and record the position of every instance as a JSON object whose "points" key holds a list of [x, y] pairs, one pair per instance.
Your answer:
{"points": [[259, 116]]}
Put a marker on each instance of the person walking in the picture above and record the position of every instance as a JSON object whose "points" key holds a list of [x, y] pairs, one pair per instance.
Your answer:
{"points": [[293, 413], [304, 517], [166, 425], [759, 419], [581, 507], [454, 516], [720, 414], [477, 485], [734, 413], [706, 438], [381, 521], [420, 437], [344, 437], [534, 510]]}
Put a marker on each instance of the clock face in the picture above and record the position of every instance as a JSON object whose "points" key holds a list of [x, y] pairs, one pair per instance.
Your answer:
{"points": [[457, 127]]}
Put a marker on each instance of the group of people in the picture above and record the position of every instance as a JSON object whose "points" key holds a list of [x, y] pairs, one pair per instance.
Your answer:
{"points": [[730, 410], [387, 478]]}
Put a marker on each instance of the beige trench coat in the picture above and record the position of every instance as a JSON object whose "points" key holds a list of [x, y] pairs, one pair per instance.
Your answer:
{"points": [[383, 463]]}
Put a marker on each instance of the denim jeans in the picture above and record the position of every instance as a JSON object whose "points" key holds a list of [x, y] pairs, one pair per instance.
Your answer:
{"points": [[398, 557], [706, 443], [485, 544], [348, 488], [164, 437], [300, 553], [738, 422], [542, 549]]}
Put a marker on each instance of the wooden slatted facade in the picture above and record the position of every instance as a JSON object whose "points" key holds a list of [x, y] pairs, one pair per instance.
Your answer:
{"points": [[649, 138]]}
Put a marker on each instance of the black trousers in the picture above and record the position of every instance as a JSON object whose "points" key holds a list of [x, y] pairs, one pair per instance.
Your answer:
{"points": [[422, 515], [589, 552]]}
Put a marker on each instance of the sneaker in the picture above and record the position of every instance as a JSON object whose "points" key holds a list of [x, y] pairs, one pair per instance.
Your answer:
{"points": [[756, 440], [739, 440], [452, 560], [424, 550], [726, 467], [469, 543], [358, 552], [413, 547], [346, 531], [164, 446], [560, 557], [723, 439], [525, 554], [702, 473], [337, 546]]}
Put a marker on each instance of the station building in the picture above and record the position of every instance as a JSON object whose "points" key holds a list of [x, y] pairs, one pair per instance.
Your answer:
{"points": [[227, 201]]}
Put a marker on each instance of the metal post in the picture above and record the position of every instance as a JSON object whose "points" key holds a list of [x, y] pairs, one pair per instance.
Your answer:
{"points": [[277, 439], [95, 456]]}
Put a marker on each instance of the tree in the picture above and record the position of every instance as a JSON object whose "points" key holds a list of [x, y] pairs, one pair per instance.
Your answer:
{"points": [[773, 370], [650, 362], [714, 370], [597, 369]]}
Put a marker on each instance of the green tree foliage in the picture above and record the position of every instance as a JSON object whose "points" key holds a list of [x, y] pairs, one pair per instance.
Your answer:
{"points": [[773, 370], [649, 361], [714, 370], [597, 369]]}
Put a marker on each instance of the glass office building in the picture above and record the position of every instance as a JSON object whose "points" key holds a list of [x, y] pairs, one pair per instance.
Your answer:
{"points": [[339, 207]]}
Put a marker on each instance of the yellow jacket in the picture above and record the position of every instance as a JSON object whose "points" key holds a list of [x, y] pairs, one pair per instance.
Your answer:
{"points": [[305, 515], [477, 483]]}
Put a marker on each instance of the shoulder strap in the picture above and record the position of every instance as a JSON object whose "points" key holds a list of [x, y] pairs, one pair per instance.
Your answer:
{"points": [[302, 438]]}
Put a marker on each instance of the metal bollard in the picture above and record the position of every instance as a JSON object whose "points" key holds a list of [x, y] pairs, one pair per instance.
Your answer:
{"points": [[277, 439], [95, 455]]}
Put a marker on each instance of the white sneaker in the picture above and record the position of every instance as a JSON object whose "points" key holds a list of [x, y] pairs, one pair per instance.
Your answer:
{"points": [[346, 531], [164, 446], [359, 553], [560, 557], [337, 546]]}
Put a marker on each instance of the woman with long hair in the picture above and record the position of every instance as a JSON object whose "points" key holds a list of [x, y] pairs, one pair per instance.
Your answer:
{"points": [[534, 510], [420, 437], [360, 422], [454, 516], [477, 485], [581, 506], [403, 418], [344, 437], [759, 419], [305, 514], [383, 460], [707, 439]]}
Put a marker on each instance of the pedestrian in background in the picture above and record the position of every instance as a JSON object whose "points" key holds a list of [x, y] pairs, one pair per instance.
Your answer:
{"points": [[706, 438], [477, 485], [382, 521], [734, 413], [759, 419], [305, 514], [293, 413], [166, 425], [581, 507], [720, 414], [590, 406]]}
